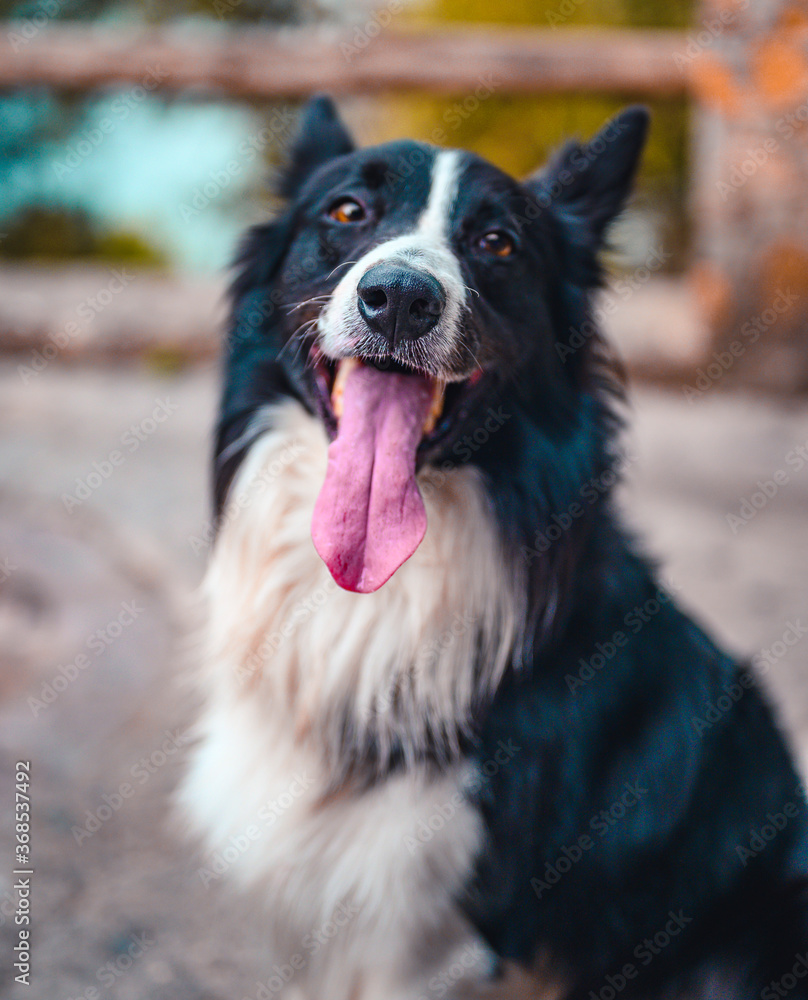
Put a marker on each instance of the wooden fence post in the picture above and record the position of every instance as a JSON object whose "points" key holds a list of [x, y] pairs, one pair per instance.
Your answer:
{"points": [[748, 64]]}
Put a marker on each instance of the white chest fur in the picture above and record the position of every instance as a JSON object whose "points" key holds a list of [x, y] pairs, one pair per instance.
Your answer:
{"points": [[294, 664]]}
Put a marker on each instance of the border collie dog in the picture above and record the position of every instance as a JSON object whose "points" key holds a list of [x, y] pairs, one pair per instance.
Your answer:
{"points": [[453, 727]]}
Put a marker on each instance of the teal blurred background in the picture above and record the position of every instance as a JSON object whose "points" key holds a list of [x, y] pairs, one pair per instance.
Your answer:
{"points": [[133, 176]]}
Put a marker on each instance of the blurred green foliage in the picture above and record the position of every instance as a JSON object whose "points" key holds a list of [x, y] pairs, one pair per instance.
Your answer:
{"points": [[518, 133], [554, 13], [270, 11], [38, 233], [44, 120]]}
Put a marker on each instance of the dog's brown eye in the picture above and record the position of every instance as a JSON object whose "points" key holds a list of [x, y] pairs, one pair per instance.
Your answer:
{"points": [[497, 243], [347, 210]]}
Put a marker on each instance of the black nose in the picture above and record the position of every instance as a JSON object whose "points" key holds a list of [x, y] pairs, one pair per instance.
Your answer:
{"points": [[399, 302]]}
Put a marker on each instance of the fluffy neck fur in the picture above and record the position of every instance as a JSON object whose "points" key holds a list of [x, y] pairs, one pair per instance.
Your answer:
{"points": [[370, 678]]}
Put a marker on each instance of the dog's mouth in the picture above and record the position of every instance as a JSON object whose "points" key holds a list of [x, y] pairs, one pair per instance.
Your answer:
{"points": [[384, 423], [450, 400]]}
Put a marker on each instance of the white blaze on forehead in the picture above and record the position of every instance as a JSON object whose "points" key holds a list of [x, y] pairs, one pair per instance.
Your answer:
{"points": [[442, 194], [342, 330]]}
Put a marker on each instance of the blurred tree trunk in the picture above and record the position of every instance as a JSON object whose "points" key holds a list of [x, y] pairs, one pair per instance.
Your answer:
{"points": [[749, 63]]}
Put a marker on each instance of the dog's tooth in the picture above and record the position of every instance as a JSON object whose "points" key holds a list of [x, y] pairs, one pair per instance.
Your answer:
{"points": [[436, 409], [346, 366]]}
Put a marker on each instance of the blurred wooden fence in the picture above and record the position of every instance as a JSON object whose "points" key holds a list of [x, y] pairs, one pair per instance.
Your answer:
{"points": [[748, 217], [261, 63]]}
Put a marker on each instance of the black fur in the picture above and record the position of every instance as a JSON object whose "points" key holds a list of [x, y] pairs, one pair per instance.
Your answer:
{"points": [[610, 680]]}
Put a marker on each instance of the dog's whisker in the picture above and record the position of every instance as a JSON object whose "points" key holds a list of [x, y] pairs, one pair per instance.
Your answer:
{"points": [[298, 337], [314, 300], [345, 263]]}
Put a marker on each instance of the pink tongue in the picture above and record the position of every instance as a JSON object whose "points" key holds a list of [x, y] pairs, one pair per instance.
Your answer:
{"points": [[369, 517]]}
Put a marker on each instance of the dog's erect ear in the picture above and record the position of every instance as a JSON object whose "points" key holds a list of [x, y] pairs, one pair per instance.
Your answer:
{"points": [[321, 137], [592, 181]]}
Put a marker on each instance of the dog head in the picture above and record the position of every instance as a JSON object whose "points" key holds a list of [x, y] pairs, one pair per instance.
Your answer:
{"points": [[402, 288]]}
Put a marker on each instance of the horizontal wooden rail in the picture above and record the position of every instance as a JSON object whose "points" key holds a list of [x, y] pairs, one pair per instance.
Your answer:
{"points": [[51, 315], [291, 63]]}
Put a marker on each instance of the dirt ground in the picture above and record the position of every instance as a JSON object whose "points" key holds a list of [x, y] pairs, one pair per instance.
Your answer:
{"points": [[103, 528]]}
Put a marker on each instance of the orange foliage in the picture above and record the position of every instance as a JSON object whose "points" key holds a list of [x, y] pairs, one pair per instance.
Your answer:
{"points": [[784, 269], [780, 71], [713, 292], [715, 85]]}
